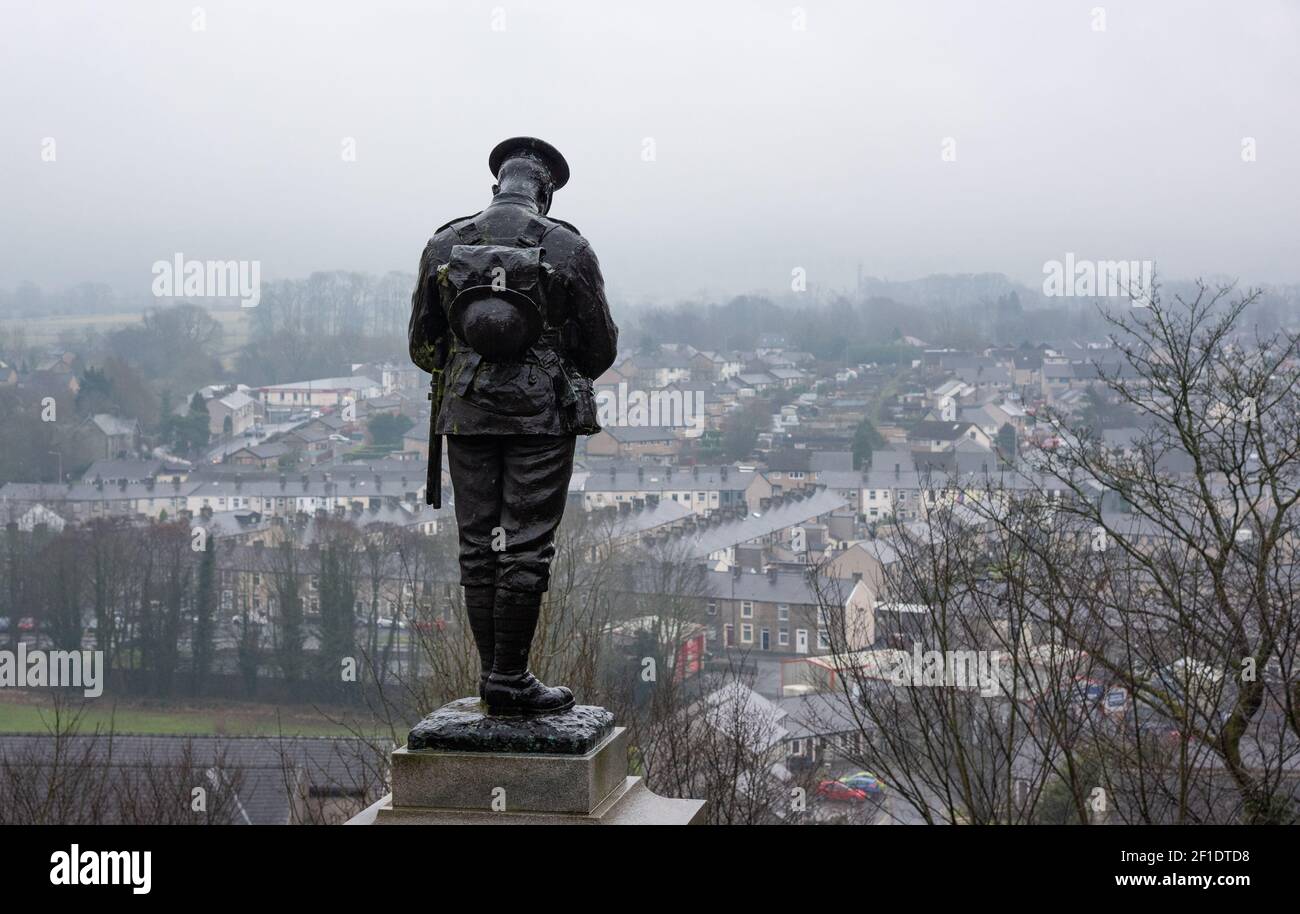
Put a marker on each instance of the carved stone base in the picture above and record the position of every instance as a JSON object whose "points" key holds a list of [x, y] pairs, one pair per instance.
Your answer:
{"points": [[631, 804], [523, 781], [582, 780]]}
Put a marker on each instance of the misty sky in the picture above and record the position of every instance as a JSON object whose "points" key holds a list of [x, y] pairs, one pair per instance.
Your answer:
{"points": [[774, 147]]}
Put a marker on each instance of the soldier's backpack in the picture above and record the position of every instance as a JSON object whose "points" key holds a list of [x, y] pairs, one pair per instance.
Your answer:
{"points": [[495, 300]]}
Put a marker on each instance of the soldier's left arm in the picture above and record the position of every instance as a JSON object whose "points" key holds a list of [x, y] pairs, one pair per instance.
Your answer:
{"points": [[428, 323], [597, 333]]}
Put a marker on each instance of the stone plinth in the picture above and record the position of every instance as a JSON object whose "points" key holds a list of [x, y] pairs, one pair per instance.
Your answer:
{"points": [[462, 767], [631, 804], [522, 781]]}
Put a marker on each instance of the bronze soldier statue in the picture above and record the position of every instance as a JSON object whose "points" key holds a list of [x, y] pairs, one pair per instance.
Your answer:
{"points": [[509, 314]]}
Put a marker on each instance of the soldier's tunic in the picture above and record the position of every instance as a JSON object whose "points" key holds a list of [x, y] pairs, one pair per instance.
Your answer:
{"points": [[509, 457]]}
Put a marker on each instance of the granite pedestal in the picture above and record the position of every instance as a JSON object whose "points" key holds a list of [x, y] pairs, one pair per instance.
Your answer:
{"points": [[461, 766]]}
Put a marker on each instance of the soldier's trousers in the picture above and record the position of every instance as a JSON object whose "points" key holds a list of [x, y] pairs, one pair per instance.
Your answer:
{"points": [[510, 494]]}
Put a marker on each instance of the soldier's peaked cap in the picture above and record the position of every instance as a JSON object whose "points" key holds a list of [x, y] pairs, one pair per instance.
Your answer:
{"points": [[543, 150]]}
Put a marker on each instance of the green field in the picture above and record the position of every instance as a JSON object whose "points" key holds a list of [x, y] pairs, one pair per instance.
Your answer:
{"points": [[45, 331], [25, 713]]}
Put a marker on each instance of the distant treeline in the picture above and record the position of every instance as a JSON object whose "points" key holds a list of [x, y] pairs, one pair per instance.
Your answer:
{"points": [[851, 329]]}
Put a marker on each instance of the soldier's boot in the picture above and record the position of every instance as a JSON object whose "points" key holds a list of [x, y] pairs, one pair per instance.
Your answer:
{"points": [[480, 604], [511, 689]]}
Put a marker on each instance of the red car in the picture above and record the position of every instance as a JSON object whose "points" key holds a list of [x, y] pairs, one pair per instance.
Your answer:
{"points": [[837, 790]]}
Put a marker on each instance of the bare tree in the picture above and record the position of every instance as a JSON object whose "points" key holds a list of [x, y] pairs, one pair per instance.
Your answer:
{"points": [[1161, 576]]}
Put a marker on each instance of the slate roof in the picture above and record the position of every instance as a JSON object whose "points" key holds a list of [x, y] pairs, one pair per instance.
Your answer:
{"points": [[930, 430], [236, 400], [658, 479], [782, 587], [824, 461], [650, 517], [133, 469], [114, 425], [640, 434], [256, 765], [754, 526], [352, 383], [818, 714]]}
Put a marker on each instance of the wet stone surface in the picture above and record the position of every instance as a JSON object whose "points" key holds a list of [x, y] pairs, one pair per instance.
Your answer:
{"points": [[464, 726]]}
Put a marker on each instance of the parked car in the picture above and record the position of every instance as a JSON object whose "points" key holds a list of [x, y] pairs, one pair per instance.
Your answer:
{"points": [[27, 624], [864, 781], [835, 790]]}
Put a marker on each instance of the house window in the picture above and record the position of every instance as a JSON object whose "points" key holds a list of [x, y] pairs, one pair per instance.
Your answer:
{"points": [[747, 609], [823, 640], [712, 608], [783, 612], [783, 636], [746, 633]]}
